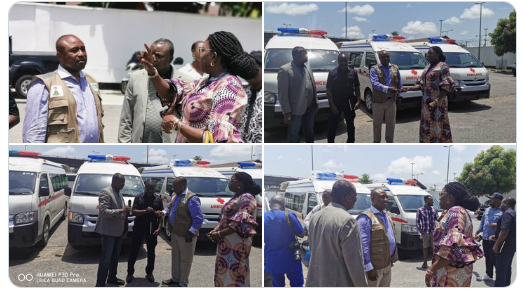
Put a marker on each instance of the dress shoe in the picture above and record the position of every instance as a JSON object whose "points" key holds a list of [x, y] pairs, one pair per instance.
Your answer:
{"points": [[170, 282], [129, 278], [116, 281], [150, 278]]}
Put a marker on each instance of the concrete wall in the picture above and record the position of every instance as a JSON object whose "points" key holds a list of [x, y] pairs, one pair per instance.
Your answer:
{"points": [[487, 55], [112, 35]]}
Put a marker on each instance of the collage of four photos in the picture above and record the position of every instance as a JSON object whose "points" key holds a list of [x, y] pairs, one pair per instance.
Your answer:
{"points": [[335, 210]]}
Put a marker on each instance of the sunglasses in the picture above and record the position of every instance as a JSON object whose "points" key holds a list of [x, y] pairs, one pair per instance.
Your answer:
{"points": [[201, 50]]}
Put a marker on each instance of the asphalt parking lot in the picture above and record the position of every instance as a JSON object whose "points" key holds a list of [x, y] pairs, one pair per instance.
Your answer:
{"points": [[490, 120], [59, 265]]}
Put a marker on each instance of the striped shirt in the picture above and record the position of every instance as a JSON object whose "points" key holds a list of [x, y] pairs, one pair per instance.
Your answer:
{"points": [[426, 219]]}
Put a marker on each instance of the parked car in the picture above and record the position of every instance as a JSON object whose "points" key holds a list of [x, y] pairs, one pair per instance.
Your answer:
{"points": [[481, 209], [514, 69]]}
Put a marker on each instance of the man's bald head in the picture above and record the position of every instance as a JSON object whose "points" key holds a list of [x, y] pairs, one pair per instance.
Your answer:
{"points": [[277, 202]]}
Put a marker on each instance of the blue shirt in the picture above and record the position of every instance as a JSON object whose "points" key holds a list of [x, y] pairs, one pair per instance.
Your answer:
{"points": [[35, 122], [193, 205], [277, 237], [373, 77], [365, 235], [491, 215]]}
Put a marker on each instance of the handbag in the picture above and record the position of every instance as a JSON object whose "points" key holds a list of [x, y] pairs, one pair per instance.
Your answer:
{"points": [[207, 137]]}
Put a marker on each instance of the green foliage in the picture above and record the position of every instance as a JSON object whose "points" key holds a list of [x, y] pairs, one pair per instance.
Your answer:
{"points": [[197, 158], [504, 37], [243, 9], [492, 171], [364, 179], [394, 32]]}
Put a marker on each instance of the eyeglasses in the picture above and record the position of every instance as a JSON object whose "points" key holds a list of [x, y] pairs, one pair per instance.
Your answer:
{"points": [[201, 50]]}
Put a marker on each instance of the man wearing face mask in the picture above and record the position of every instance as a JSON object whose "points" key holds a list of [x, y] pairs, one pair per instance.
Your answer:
{"points": [[140, 120], [334, 242], [64, 106], [343, 93], [488, 225]]}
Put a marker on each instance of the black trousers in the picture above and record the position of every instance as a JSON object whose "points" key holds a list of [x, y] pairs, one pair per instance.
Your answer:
{"points": [[136, 243], [349, 116], [489, 256]]}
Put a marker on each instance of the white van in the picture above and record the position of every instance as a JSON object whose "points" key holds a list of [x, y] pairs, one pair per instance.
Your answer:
{"points": [[93, 176], [38, 198], [301, 196], [322, 58], [255, 171], [207, 183], [404, 199], [363, 54], [470, 76]]}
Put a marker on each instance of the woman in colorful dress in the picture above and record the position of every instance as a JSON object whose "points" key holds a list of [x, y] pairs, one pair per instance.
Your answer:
{"points": [[454, 246], [235, 232], [435, 83], [251, 125], [212, 105]]}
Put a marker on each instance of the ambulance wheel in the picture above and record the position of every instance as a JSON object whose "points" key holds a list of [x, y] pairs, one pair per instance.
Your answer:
{"points": [[166, 229], [65, 212], [368, 98], [46, 230]]}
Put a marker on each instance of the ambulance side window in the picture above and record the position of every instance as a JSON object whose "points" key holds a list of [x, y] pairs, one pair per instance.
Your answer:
{"points": [[371, 60], [159, 182], [298, 201], [288, 200], [44, 183], [392, 204], [169, 186], [59, 181], [356, 59], [311, 202]]}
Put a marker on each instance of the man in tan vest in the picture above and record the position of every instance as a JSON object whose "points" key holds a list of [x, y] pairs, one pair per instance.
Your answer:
{"points": [[64, 106], [378, 240], [386, 81], [185, 219]]}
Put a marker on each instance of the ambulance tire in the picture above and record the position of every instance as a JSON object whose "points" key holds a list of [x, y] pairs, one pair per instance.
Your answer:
{"points": [[64, 216], [46, 233], [368, 101]]}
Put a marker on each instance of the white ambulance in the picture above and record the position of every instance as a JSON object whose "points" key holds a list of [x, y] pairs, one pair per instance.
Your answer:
{"points": [[207, 183], [404, 199], [93, 176], [363, 54], [301, 196], [38, 198], [255, 170], [322, 58], [470, 76]]}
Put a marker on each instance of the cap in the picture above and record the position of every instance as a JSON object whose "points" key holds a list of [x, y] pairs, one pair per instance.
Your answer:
{"points": [[496, 196]]}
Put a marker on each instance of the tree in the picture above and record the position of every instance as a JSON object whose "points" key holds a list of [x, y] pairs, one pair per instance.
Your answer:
{"points": [[433, 188], [197, 158], [394, 32], [365, 179], [504, 37], [492, 171], [243, 9]]}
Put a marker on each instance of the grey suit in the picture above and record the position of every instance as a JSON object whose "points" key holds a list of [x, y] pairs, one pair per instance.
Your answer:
{"points": [[110, 221], [294, 99], [336, 251], [133, 115]]}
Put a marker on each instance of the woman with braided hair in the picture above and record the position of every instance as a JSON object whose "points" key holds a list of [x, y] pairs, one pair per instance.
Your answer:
{"points": [[235, 232], [454, 246], [212, 104]]}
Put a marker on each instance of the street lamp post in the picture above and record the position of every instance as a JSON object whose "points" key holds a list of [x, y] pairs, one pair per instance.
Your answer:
{"points": [[419, 174], [412, 176], [440, 26], [480, 27], [447, 173], [447, 31], [346, 12]]}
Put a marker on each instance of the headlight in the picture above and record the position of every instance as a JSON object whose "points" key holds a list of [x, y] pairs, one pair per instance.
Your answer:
{"points": [[409, 228], [456, 83], [26, 217], [76, 217], [270, 97]]}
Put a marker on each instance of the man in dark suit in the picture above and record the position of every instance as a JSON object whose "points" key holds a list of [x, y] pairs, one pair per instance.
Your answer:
{"points": [[112, 225], [298, 96]]}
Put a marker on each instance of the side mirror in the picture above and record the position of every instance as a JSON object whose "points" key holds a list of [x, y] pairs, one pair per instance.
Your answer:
{"points": [[482, 63], [395, 210], [43, 192], [67, 191]]}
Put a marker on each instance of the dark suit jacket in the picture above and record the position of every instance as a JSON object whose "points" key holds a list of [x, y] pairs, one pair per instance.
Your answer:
{"points": [[291, 90]]}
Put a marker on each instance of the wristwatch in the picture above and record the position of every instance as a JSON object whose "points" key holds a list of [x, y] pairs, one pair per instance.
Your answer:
{"points": [[154, 75]]}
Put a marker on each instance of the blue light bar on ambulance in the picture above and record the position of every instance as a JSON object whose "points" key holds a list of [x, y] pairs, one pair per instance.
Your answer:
{"points": [[185, 162], [108, 158], [395, 180], [23, 153], [387, 38], [301, 31], [325, 175], [441, 40], [246, 165]]}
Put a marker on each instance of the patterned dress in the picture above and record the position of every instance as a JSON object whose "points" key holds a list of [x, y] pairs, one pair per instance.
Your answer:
{"points": [[252, 130], [453, 240], [434, 126], [232, 261], [214, 104]]}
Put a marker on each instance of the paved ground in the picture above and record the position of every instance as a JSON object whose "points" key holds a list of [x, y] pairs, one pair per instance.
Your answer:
{"points": [[490, 120], [407, 272], [59, 265]]}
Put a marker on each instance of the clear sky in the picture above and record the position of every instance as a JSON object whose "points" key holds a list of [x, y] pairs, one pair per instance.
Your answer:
{"points": [[379, 161], [161, 154], [409, 19]]}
